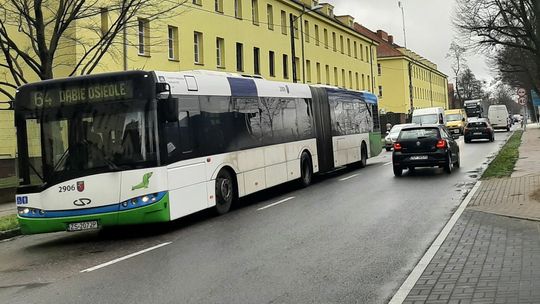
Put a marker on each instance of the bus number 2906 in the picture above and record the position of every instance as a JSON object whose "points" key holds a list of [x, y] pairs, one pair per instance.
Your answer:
{"points": [[66, 188]]}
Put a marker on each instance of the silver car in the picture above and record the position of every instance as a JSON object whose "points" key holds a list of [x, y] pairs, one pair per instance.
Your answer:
{"points": [[393, 135]]}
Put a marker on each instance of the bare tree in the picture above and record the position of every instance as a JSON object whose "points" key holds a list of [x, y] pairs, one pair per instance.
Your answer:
{"points": [[456, 53], [37, 36], [470, 87], [510, 24]]}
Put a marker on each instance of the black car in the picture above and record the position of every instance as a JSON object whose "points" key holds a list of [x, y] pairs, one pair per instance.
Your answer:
{"points": [[478, 129], [425, 146]]}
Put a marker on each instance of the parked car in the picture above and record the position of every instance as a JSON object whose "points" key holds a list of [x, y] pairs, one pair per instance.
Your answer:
{"points": [[425, 146], [433, 115], [479, 128], [455, 120], [392, 136], [498, 117]]}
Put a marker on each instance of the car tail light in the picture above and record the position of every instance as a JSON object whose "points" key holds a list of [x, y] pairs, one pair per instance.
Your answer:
{"points": [[397, 147], [441, 144]]}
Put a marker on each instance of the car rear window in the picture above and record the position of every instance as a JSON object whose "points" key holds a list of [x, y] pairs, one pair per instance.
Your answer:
{"points": [[419, 133], [477, 125]]}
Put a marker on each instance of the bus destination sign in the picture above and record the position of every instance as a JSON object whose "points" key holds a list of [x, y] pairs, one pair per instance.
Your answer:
{"points": [[87, 93]]}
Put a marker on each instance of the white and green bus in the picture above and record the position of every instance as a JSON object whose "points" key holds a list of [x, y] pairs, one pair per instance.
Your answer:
{"points": [[141, 147]]}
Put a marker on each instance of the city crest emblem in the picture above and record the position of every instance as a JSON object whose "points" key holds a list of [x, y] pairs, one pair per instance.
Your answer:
{"points": [[80, 186]]}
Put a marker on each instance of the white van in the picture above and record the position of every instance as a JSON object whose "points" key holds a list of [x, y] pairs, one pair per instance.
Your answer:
{"points": [[429, 116], [498, 117]]}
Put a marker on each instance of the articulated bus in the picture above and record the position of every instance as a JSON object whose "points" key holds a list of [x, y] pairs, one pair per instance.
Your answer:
{"points": [[141, 147]]}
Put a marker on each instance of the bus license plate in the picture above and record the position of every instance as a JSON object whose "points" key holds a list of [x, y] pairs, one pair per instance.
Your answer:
{"points": [[477, 133], [83, 226], [456, 130], [419, 157]]}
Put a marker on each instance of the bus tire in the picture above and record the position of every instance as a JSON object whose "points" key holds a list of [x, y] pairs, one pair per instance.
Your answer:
{"points": [[306, 170], [225, 191], [363, 156]]}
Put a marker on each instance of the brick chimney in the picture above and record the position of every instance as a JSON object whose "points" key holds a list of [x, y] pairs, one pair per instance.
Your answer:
{"points": [[390, 39], [382, 34]]}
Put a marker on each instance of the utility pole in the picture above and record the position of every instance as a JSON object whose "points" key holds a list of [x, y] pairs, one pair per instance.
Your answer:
{"points": [[403, 19]]}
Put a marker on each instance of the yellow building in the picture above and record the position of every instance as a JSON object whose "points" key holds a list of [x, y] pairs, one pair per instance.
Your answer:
{"points": [[244, 36], [407, 81]]}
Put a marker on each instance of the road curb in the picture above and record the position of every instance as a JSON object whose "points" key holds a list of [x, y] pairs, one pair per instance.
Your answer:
{"points": [[413, 277], [10, 233]]}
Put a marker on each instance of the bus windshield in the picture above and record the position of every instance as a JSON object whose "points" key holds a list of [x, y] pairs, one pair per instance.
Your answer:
{"points": [[87, 140]]}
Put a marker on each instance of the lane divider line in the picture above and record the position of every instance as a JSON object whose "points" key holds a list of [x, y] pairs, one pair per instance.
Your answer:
{"points": [[413, 277], [125, 257], [276, 203], [349, 177]]}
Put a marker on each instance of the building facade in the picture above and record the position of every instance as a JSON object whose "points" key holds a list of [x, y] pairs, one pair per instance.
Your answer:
{"points": [[407, 81], [242, 36]]}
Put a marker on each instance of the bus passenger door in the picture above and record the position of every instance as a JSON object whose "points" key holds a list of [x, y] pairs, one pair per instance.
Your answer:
{"points": [[323, 129]]}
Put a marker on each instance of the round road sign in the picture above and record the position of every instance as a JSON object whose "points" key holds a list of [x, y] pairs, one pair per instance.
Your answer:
{"points": [[521, 92], [522, 100]]}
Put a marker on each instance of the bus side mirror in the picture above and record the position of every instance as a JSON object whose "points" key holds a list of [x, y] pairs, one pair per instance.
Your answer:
{"points": [[169, 108]]}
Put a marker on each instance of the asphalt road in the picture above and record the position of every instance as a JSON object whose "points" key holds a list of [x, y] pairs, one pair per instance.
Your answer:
{"points": [[352, 237]]}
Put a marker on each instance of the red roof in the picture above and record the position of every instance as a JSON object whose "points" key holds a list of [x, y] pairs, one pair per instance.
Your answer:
{"points": [[385, 48]]}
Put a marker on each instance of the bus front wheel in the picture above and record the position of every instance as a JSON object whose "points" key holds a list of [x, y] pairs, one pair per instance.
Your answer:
{"points": [[306, 170], [225, 191]]}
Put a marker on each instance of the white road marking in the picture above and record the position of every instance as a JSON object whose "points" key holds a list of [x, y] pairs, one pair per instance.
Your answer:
{"points": [[411, 280], [276, 203], [388, 163], [348, 177], [125, 257]]}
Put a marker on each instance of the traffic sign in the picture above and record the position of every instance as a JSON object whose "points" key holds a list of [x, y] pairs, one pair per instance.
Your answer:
{"points": [[521, 92], [522, 101]]}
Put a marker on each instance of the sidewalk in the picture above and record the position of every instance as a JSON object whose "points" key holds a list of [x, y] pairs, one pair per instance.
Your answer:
{"points": [[7, 209], [492, 254]]}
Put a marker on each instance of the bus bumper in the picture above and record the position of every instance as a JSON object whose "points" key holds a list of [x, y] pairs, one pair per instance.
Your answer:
{"points": [[156, 212]]}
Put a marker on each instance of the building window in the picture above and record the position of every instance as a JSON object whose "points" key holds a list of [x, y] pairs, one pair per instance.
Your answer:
{"points": [[336, 77], [297, 64], [379, 69], [285, 66], [318, 72], [363, 82], [343, 80], [104, 14], [239, 57], [380, 91], [255, 11], [270, 16], [272, 63], [355, 47], [349, 47], [369, 83], [293, 17], [350, 80], [334, 41], [198, 47], [306, 30], [341, 44], [238, 9], [283, 23], [316, 35], [143, 32], [367, 54], [173, 42], [308, 71], [325, 38], [218, 6], [220, 50], [198, 2], [256, 61], [357, 82], [327, 68]]}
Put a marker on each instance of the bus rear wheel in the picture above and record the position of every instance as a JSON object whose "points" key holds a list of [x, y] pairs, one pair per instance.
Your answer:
{"points": [[363, 156], [225, 192], [306, 170]]}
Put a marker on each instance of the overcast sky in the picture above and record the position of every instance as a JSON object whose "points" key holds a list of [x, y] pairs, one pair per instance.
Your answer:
{"points": [[428, 26]]}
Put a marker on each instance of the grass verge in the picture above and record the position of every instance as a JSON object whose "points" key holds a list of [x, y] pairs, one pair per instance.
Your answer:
{"points": [[503, 164], [8, 222]]}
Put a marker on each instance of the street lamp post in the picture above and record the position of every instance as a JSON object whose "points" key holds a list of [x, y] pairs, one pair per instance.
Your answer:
{"points": [[293, 50]]}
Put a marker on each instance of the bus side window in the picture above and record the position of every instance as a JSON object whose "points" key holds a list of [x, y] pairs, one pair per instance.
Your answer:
{"points": [[179, 137]]}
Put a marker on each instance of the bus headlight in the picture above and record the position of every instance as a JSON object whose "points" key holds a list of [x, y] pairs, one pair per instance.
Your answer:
{"points": [[30, 212], [140, 201]]}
